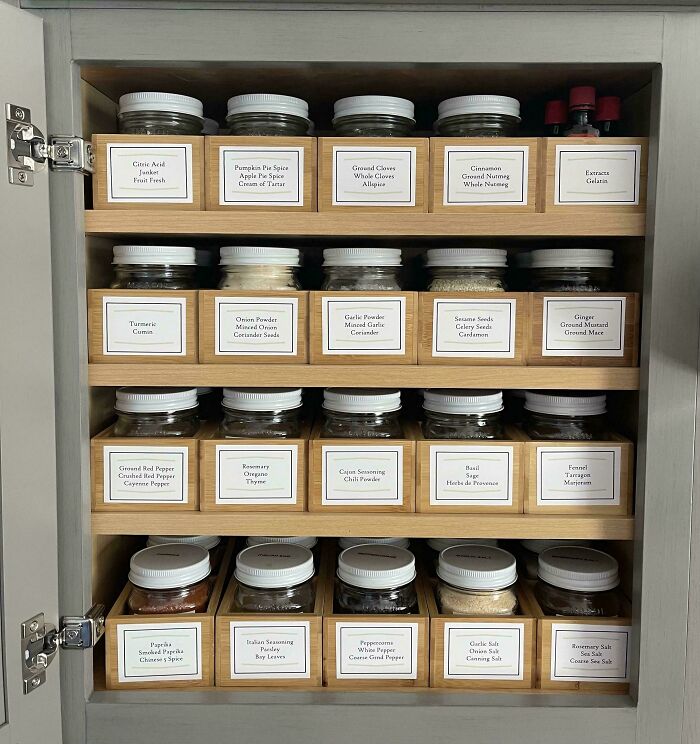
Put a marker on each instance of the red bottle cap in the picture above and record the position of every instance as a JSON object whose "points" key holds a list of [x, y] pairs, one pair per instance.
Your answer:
{"points": [[608, 108], [582, 96], [555, 112]]}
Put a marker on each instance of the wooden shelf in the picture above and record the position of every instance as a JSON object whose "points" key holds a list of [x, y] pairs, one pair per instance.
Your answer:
{"points": [[330, 224], [407, 376], [506, 526]]}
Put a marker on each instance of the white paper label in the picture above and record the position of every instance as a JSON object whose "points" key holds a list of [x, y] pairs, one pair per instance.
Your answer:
{"points": [[471, 476], [256, 325], [583, 652], [377, 176], [144, 325], [361, 476], [364, 325], [159, 652], [149, 173], [145, 475], [597, 174], [581, 476], [485, 176], [256, 474], [583, 326], [270, 649], [484, 651], [376, 650], [261, 175], [474, 329]]}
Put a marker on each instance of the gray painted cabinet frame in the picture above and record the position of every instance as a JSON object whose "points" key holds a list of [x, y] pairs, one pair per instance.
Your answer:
{"points": [[669, 40]]}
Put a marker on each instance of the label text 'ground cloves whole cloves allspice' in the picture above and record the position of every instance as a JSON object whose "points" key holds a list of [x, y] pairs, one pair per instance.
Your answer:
{"points": [[374, 176]]}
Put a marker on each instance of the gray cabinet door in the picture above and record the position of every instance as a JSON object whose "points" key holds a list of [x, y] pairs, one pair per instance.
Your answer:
{"points": [[27, 425]]}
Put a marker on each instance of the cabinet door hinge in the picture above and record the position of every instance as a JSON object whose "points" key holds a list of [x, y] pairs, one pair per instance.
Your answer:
{"points": [[40, 641], [28, 151]]}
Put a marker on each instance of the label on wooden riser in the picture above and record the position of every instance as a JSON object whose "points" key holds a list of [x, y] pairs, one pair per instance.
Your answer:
{"points": [[270, 649], [149, 173], [578, 476], [485, 176], [256, 325], [256, 473], [461, 475], [583, 326], [376, 650], [474, 329], [596, 653], [159, 652], [261, 176], [364, 325], [361, 476], [144, 325], [482, 650], [374, 176], [145, 475], [597, 174]]}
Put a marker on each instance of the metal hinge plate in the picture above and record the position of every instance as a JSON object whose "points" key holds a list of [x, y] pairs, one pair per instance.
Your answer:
{"points": [[28, 151], [40, 641]]}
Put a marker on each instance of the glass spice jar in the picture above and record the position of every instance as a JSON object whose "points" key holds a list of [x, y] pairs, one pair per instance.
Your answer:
{"points": [[311, 543], [531, 549], [275, 577], [212, 543], [361, 269], [438, 544], [577, 581], [478, 116], [376, 579], [257, 267], [350, 542], [150, 112], [156, 412], [467, 269], [361, 413], [169, 579], [477, 580], [373, 116], [571, 270], [268, 115], [463, 414], [261, 413], [154, 267], [565, 416]]}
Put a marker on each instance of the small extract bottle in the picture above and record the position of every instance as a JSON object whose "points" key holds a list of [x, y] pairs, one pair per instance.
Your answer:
{"points": [[582, 112], [608, 113], [556, 115]]}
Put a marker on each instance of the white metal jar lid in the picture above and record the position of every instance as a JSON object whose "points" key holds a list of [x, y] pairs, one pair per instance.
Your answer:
{"points": [[350, 542], [155, 101], [579, 569], [175, 255], [571, 258], [361, 400], [465, 402], [305, 541], [274, 565], [376, 566], [481, 104], [387, 105], [155, 400], [250, 255], [568, 404], [489, 257], [539, 546], [268, 103], [362, 257], [262, 399], [169, 566], [477, 567], [204, 541], [438, 544]]}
